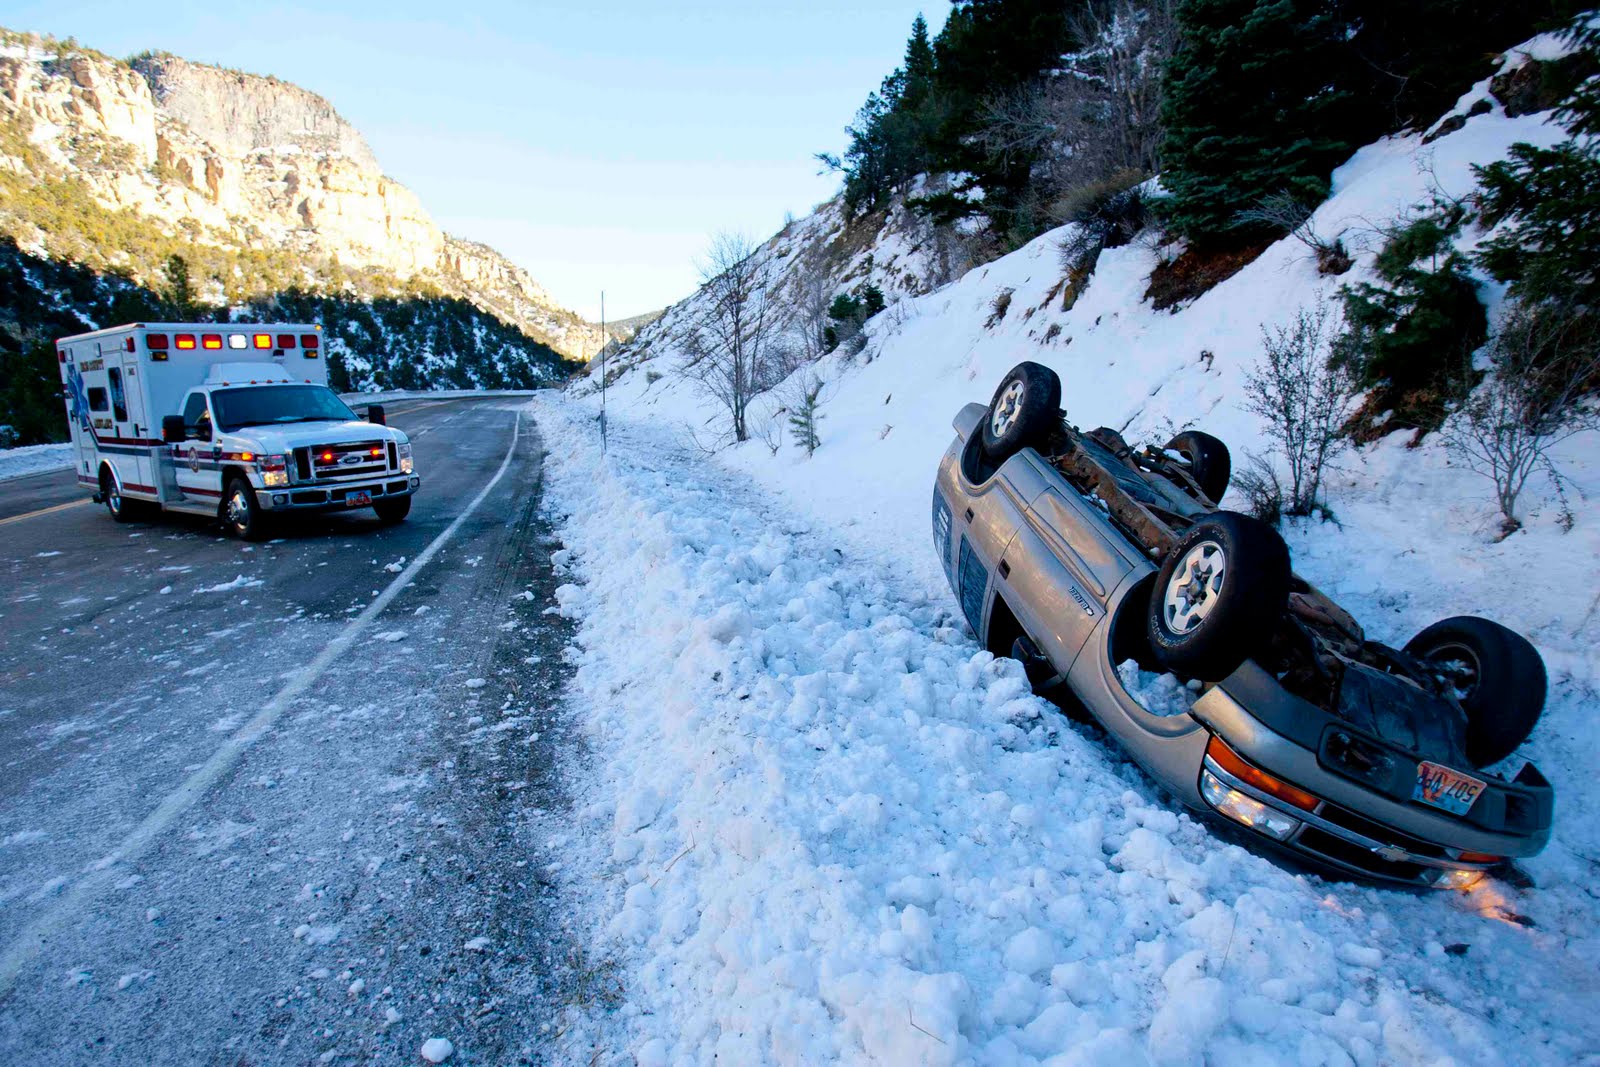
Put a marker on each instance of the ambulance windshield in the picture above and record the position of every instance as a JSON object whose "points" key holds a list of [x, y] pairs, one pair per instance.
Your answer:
{"points": [[273, 405]]}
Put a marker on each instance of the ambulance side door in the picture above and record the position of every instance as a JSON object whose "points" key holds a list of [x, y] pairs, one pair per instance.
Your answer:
{"points": [[135, 428], [198, 472]]}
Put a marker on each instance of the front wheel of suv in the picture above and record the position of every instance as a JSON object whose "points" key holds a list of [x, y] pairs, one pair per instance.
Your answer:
{"points": [[1218, 596], [1025, 408]]}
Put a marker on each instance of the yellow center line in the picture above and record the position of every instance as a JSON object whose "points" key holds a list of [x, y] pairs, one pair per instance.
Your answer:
{"points": [[44, 511]]}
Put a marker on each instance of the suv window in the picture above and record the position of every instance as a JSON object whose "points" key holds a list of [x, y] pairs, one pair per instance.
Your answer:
{"points": [[197, 417], [119, 401]]}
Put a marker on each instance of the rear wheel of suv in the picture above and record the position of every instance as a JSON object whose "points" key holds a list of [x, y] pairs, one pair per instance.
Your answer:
{"points": [[393, 510], [1025, 408], [1218, 596], [241, 513], [1209, 462], [1498, 678]]}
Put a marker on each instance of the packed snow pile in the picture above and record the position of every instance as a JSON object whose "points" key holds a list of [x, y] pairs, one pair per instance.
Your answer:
{"points": [[828, 827], [33, 459], [837, 829]]}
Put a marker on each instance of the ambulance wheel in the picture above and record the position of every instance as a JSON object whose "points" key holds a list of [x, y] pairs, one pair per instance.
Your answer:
{"points": [[241, 514], [393, 511], [120, 507]]}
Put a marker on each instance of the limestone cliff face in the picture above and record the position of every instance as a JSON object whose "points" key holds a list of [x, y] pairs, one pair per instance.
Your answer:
{"points": [[239, 158]]}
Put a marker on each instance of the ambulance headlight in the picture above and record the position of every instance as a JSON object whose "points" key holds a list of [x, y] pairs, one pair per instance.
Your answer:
{"points": [[274, 470], [406, 465]]}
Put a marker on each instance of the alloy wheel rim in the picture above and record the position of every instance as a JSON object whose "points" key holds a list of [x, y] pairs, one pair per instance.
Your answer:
{"points": [[238, 509], [1192, 591], [1007, 408]]}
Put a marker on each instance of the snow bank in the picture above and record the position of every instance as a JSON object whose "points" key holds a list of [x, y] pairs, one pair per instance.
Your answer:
{"points": [[822, 825], [32, 459]]}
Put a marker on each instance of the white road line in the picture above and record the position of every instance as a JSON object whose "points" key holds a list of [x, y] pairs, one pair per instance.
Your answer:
{"points": [[33, 936]]}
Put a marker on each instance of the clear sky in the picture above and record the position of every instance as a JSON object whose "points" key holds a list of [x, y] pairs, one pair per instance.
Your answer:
{"points": [[598, 145]]}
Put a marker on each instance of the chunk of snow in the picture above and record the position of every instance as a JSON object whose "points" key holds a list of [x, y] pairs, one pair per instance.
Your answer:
{"points": [[437, 1049]]}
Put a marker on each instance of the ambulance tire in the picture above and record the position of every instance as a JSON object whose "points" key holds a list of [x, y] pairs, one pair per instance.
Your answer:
{"points": [[119, 507], [240, 513]]}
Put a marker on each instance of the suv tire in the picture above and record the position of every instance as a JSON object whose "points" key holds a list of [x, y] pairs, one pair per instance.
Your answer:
{"points": [[1217, 596], [1025, 409], [1210, 464], [1498, 677]]}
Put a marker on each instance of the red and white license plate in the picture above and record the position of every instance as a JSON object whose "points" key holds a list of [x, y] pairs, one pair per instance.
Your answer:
{"points": [[362, 499], [1446, 789]]}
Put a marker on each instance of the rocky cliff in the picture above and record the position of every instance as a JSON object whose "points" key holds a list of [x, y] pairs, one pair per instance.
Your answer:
{"points": [[240, 160]]}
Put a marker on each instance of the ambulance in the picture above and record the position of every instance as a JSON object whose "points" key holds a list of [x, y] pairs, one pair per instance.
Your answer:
{"points": [[234, 421]]}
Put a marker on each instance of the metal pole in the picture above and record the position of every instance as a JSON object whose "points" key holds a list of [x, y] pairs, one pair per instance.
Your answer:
{"points": [[605, 343]]}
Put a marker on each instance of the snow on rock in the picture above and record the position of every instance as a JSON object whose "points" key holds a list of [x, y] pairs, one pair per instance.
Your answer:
{"points": [[825, 825]]}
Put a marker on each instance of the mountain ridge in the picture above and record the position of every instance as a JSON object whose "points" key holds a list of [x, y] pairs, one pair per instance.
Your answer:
{"points": [[248, 161]]}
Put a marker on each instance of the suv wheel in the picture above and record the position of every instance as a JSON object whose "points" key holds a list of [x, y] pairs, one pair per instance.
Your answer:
{"points": [[1497, 677], [1218, 596], [1210, 465], [1025, 409]]}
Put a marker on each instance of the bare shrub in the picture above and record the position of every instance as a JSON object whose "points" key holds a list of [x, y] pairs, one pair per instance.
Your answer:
{"points": [[730, 348], [1288, 215], [998, 308], [1304, 399], [1262, 489], [1532, 400]]}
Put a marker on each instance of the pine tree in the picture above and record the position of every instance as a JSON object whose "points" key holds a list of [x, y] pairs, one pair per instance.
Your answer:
{"points": [[1254, 107], [1547, 203]]}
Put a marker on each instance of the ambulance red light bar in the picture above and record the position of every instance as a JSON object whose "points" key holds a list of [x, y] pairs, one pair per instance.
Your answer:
{"points": [[309, 342], [127, 343], [263, 340], [183, 341], [155, 342], [286, 340], [211, 340]]}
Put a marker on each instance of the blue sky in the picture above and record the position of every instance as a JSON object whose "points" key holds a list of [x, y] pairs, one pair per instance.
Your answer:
{"points": [[598, 145]]}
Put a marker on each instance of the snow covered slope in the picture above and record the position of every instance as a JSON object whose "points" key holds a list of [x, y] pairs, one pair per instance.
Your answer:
{"points": [[895, 854]]}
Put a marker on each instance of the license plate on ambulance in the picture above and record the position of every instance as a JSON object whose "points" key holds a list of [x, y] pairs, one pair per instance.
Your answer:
{"points": [[362, 499], [1449, 790]]}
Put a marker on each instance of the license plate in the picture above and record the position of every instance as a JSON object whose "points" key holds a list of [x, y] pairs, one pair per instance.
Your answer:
{"points": [[363, 499], [1446, 789]]}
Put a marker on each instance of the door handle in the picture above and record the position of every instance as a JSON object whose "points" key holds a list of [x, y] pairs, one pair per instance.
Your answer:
{"points": [[969, 514], [1005, 569]]}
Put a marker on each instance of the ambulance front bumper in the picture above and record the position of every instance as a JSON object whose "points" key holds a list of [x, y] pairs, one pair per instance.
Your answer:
{"points": [[338, 497]]}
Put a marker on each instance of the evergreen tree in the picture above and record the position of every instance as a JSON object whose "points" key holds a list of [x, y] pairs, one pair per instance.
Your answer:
{"points": [[1253, 108], [1548, 200]]}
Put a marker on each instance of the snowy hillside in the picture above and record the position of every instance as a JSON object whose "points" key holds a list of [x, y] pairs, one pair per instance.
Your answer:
{"points": [[894, 852]]}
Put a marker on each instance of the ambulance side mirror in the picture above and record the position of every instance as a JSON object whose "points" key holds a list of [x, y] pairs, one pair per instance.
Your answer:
{"points": [[376, 416], [173, 430]]}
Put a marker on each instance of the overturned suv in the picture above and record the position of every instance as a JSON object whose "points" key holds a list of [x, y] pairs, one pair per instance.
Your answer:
{"points": [[1073, 553]]}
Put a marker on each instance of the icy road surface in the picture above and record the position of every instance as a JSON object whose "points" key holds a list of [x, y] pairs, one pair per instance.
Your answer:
{"points": [[288, 802]]}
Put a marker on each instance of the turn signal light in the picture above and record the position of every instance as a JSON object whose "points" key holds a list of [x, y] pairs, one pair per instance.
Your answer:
{"points": [[1479, 857], [1234, 764]]}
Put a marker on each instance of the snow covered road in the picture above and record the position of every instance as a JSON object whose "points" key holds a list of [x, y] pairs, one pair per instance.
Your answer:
{"points": [[209, 853], [828, 827]]}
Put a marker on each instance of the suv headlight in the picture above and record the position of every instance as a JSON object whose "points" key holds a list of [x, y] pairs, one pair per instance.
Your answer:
{"points": [[274, 470], [406, 465]]}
